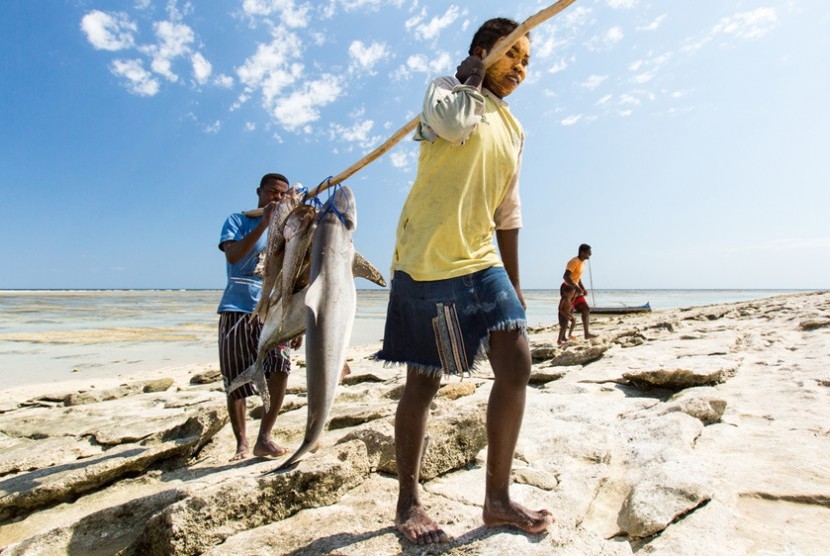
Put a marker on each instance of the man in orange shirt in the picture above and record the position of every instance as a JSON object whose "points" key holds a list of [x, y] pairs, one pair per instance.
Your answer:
{"points": [[573, 279]]}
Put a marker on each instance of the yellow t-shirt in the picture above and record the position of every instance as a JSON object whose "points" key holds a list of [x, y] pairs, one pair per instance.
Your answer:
{"points": [[575, 265], [466, 187]]}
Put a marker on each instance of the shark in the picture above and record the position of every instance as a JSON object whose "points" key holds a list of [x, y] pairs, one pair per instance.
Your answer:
{"points": [[331, 301]]}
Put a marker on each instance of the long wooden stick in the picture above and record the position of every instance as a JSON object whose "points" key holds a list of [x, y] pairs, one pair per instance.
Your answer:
{"points": [[492, 56]]}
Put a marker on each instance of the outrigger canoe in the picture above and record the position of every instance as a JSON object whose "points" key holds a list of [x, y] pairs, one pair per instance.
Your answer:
{"points": [[622, 310]]}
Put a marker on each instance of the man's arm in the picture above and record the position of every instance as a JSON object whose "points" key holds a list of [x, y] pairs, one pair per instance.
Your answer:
{"points": [[235, 251], [508, 241]]}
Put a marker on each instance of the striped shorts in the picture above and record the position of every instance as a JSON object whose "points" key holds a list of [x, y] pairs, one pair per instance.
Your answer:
{"points": [[238, 340]]}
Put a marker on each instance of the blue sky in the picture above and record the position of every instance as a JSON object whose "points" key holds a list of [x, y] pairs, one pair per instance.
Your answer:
{"points": [[687, 142]]}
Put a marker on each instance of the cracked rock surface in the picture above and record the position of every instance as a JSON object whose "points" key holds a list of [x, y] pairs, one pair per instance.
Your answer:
{"points": [[690, 431]]}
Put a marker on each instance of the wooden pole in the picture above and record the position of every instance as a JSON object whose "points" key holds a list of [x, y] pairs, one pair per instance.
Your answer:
{"points": [[492, 56]]}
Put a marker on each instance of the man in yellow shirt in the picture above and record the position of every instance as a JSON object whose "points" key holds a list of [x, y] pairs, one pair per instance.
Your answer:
{"points": [[573, 278]]}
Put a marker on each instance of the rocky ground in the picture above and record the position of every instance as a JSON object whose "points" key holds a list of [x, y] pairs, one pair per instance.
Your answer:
{"points": [[697, 431]]}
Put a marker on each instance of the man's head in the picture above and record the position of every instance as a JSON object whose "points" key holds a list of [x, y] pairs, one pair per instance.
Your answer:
{"points": [[272, 187], [584, 251], [506, 73]]}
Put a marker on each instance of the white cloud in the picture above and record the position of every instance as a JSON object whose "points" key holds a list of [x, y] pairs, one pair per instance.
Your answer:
{"points": [[654, 24], [174, 40], [571, 120], [357, 133], [608, 39], [560, 65], [593, 81], [605, 99], [613, 35], [224, 81], [625, 113], [433, 28], [748, 25], [271, 68], [617, 4], [201, 68], [629, 99], [351, 5], [139, 81], [213, 129], [142, 4], [289, 14], [109, 31], [300, 107], [250, 126], [644, 77], [418, 63], [365, 57], [399, 160]]}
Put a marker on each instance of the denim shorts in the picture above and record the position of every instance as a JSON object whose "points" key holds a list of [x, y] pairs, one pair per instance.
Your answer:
{"points": [[444, 325]]}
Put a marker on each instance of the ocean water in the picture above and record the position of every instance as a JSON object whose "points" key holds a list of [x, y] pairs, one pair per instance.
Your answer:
{"points": [[57, 335]]}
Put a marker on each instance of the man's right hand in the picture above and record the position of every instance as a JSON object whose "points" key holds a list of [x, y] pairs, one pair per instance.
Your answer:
{"points": [[471, 71], [268, 212]]}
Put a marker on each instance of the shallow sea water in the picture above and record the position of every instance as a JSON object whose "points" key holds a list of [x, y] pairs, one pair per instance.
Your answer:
{"points": [[58, 335]]}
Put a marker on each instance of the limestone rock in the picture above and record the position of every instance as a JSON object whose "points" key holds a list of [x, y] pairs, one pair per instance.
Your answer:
{"points": [[664, 493], [207, 377], [453, 439], [158, 385], [26, 492], [676, 379], [95, 396], [208, 516], [455, 390], [703, 403], [534, 477], [538, 378], [558, 356], [350, 380], [814, 324]]}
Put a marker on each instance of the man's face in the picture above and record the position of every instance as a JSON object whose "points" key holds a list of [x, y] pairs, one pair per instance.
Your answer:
{"points": [[586, 254], [510, 70], [274, 190]]}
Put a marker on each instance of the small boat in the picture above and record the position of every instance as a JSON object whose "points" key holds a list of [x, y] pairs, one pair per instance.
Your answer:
{"points": [[621, 310]]}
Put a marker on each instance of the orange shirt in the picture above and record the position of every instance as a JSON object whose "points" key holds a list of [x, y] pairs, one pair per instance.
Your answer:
{"points": [[575, 266]]}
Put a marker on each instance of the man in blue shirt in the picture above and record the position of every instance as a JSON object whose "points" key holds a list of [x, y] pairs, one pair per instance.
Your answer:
{"points": [[242, 240]]}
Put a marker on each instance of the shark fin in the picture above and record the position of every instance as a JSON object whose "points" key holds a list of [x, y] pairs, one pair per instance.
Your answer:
{"points": [[361, 268]]}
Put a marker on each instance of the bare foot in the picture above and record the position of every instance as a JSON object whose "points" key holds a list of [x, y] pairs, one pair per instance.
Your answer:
{"points": [[589, 336], [418, 527], [562, 342], [241, 452], [572, 337], [517, 516], [269, 449]]}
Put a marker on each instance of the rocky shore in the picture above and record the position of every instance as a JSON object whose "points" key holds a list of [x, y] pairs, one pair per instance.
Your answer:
{"points": [[691, 431]]}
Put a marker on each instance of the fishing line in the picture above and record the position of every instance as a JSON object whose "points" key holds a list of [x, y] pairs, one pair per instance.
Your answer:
{"points": [[591, 279]]}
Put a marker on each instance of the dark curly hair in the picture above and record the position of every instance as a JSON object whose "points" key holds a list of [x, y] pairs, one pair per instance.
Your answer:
{"points": [[491, 31]]}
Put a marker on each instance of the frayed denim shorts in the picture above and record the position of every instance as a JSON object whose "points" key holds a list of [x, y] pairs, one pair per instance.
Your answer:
{"points": [[444, 325]]}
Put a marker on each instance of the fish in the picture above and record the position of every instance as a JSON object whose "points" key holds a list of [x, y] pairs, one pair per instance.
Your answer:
{"points": [[285, 320], [331, 302], [270, 263], [298, 232]]}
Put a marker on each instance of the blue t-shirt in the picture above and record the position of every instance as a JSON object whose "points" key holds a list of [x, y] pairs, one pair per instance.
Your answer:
{"points": [[244, 288]]}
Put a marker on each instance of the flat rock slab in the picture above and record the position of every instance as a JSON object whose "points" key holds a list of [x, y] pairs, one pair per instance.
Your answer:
{"points": [[23, 493]]}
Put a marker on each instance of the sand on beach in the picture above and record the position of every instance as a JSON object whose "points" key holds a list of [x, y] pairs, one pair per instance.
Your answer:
{"points": [[732, 461]]}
